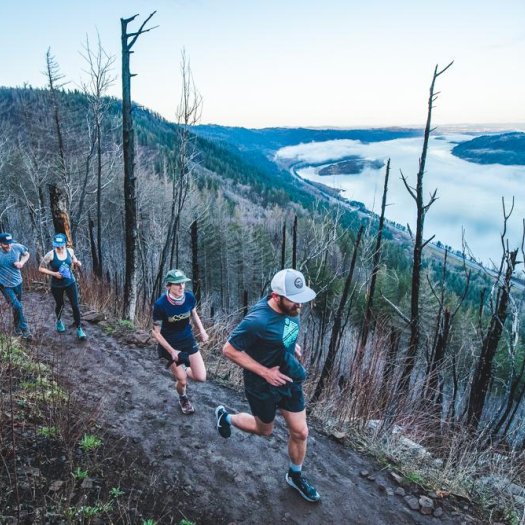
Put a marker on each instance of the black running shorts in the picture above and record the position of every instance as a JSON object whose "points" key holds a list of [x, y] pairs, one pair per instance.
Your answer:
{"points": [[264, 403], [189, 346]]}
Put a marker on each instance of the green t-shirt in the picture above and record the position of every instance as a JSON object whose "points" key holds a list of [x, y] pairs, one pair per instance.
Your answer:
{"points": [[268, 337]]}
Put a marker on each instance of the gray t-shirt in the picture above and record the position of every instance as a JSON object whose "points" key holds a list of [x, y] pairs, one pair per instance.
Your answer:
{"points": [[10, 275], [268, 337]]}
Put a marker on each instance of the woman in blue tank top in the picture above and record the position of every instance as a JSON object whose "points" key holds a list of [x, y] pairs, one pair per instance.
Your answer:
{"points": [[59, 264]]}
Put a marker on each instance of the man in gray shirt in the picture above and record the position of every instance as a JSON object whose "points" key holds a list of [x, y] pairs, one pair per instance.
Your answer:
{"points": [[13, 256]]}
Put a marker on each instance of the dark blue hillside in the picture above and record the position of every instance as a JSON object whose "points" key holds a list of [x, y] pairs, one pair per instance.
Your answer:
{"points": [[507, 149], [271, 139]]}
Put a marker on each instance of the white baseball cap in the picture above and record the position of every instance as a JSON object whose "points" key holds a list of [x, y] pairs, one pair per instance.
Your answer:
{"points": [[291, 284]]}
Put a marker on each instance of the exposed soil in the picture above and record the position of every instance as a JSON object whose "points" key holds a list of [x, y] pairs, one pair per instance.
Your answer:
{"points": [[214, 480]]}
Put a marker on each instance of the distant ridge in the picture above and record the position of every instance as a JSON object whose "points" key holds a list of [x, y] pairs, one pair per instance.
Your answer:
{"points": [[506, 148], [272, 139]]}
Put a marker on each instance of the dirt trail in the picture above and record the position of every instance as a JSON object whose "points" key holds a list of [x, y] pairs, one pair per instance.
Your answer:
{"points": [[238, 480]]}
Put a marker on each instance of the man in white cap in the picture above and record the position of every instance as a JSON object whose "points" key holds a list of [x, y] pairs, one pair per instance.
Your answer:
{"points": [[13, 256], [264, 345]]}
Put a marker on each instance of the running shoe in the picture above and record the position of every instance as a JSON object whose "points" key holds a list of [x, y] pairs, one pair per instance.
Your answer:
{"points": [[224, 428], [26, 334], [60, 326], [81, 334], [302, 485], [185, 405]]}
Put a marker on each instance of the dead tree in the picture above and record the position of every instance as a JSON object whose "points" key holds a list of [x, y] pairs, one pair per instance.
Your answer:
{"points": [[375, 269], [180, 168], [60, 210], [195, 270], [59, 196], [130, 184], [517, 387], [283, 246], [100, 79], [294, 243], [444, 319], [92, 245], [491, 338], [422, 209], [335, 337]]}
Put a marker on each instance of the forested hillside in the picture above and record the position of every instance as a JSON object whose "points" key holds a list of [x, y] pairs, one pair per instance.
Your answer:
{"points": [[218, 208], [506, 148]]}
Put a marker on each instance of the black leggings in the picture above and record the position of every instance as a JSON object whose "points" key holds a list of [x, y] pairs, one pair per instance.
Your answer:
{"points": [[72, 295]]}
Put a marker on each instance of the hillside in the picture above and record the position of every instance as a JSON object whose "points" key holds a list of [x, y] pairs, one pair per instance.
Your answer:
{"points": [[507, 149], [229, 217], [154, 462], [272, 139]]}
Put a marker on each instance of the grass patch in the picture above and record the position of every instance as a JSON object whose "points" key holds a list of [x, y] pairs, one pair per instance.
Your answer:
{"points": [[90, 442]]}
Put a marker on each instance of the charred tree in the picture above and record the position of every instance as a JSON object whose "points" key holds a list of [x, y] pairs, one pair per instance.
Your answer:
{"points": [[100, 79], [335, 337], [195, 270], [180, 168], [60, 210], [130, 184], [283, 247], [375, 269], [444, 319], [93, 247], [294, 243], [419, 244], [491, 339], [58, 192], [483, 373]]}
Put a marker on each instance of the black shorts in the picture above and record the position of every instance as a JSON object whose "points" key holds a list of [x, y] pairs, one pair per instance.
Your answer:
{"points": [[189, 346], [265, 402]]}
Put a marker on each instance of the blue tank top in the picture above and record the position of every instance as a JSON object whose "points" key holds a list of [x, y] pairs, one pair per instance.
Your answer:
{"points": [[64, 267]]}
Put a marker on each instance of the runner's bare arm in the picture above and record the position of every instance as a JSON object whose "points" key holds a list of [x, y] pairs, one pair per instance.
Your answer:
{"points": [[43, 267], [74, 259], [155, 332], [199, 325], [272, 375], [20, 264]]}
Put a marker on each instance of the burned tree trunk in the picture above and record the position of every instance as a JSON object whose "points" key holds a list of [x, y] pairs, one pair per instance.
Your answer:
{"points": [[294, 244], [94, 255], [375, 269], [58, 192], [337, 327], [195, 277], [444, 318], [130, 183], [422, 209], [482, 375], [283, 247], [59, 211]]}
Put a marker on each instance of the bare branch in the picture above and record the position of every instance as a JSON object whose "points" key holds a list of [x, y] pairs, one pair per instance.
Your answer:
{"points": [[433, 199], [396, 309], [443, 70], [409, 188], [427, 241], [140, 31]]}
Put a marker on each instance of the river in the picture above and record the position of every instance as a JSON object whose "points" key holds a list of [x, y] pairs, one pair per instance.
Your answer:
{"points": [[469, 194]]}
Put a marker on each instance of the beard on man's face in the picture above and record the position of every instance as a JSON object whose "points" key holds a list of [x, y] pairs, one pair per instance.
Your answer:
{"points": [[291, 309]]}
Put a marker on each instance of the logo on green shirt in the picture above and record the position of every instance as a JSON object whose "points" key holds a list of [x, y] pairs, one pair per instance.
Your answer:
{"points": [[290, 332]]}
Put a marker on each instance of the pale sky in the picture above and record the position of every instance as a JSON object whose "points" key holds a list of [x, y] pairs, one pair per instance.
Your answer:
{"points": [[343, 63]]}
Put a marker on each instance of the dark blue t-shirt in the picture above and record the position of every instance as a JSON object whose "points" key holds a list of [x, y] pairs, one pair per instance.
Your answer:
{"points": [[268, 337], [174, 319]]}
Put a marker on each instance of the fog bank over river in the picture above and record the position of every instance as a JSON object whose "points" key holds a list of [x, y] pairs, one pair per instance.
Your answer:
{"points": [[469, 195]]}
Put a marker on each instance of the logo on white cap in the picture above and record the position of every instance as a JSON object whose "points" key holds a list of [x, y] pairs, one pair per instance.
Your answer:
{"points": [[290, 283]]}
